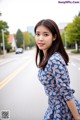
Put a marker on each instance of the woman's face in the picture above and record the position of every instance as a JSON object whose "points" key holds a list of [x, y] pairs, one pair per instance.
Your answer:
{"points": [[44, 38]]}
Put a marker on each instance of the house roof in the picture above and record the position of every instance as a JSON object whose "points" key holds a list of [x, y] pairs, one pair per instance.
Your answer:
{"points": [[10, 38]]}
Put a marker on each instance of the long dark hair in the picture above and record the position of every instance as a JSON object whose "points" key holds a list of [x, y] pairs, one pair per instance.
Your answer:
{"points": [[57, 45]]}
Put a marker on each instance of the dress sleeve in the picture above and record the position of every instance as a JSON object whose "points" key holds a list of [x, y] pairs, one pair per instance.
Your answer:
{"points": [[62, 79]]}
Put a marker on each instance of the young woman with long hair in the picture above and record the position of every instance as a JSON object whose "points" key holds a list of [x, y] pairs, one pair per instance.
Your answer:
{"points": [[51, 58]]}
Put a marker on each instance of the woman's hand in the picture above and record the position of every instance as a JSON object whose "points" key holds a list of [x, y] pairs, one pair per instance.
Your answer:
{"points": [[77, 118]]}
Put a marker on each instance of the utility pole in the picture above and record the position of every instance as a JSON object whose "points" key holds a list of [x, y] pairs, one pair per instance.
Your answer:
{"points": [[3, 42], [0, 13], [65, 40]]}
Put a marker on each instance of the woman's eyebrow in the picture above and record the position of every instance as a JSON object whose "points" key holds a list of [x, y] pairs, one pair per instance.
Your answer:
{"points": [[43, 32], [37, 31]]}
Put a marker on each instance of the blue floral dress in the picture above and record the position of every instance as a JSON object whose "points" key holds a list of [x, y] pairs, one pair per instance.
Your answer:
{"points": [[56, 81]]}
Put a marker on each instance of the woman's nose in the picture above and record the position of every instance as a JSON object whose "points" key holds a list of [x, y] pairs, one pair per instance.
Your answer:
{"points": [[40, 37]]}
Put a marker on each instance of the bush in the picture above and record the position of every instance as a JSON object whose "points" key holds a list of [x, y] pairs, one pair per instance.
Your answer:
{"points": [[8, 47], [75, 51]]}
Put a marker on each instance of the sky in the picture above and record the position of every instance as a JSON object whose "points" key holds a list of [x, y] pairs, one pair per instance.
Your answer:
{"points": [[22, 13]]}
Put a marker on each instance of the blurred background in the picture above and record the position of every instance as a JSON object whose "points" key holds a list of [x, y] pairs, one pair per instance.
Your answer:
{"points": [[22, 96]]}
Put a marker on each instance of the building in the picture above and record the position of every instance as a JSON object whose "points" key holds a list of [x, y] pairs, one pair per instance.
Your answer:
{"points": [[30, 29], [12, 41]]}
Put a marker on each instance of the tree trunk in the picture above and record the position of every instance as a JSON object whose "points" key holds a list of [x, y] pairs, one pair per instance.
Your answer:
{"points": [[78, 47]]}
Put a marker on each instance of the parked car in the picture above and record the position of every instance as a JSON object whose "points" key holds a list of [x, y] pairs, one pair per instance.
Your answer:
{"points": [[19, 50]]}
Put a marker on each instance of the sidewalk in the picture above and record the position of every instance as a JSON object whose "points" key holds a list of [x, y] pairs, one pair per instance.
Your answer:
{"points": [[12, 53], [77, 56], [6, 55], [69, 51], [4, 58]]}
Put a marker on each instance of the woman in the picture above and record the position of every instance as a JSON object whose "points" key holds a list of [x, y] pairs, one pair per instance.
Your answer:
{"points": [[51, 58]]}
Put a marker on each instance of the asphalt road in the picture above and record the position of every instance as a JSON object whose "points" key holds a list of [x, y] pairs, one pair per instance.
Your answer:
{"points": [[21, 94]]}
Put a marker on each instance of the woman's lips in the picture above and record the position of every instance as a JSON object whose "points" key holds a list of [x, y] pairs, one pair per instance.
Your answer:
{"points": [[40, 44]]}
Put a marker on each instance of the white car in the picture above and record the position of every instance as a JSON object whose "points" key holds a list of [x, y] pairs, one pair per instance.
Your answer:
{"points": [[19, 50]]}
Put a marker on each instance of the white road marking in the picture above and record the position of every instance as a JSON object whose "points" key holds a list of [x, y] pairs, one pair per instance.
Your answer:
{"points": [[73, 64]]}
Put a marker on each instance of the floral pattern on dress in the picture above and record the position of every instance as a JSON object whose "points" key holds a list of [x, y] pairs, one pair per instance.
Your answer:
{"points": [[56, 81]]}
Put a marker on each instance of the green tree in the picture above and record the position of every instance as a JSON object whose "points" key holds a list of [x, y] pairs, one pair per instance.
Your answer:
{"points": [[3, 26], [69, 34], [19, 38], [63, 37], [73, 32], [32, 40], [26, 39]]}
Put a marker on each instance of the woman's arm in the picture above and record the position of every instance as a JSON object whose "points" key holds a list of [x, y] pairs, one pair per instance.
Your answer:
{"points": [[72, 106], [61, 76]]}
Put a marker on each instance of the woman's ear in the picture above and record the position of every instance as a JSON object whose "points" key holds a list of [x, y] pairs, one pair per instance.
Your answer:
{"points": [[54, 37]]}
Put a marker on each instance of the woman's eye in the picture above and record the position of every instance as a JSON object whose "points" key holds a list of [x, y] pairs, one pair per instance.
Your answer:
{"points": [[37, 34], [45, 34]]}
